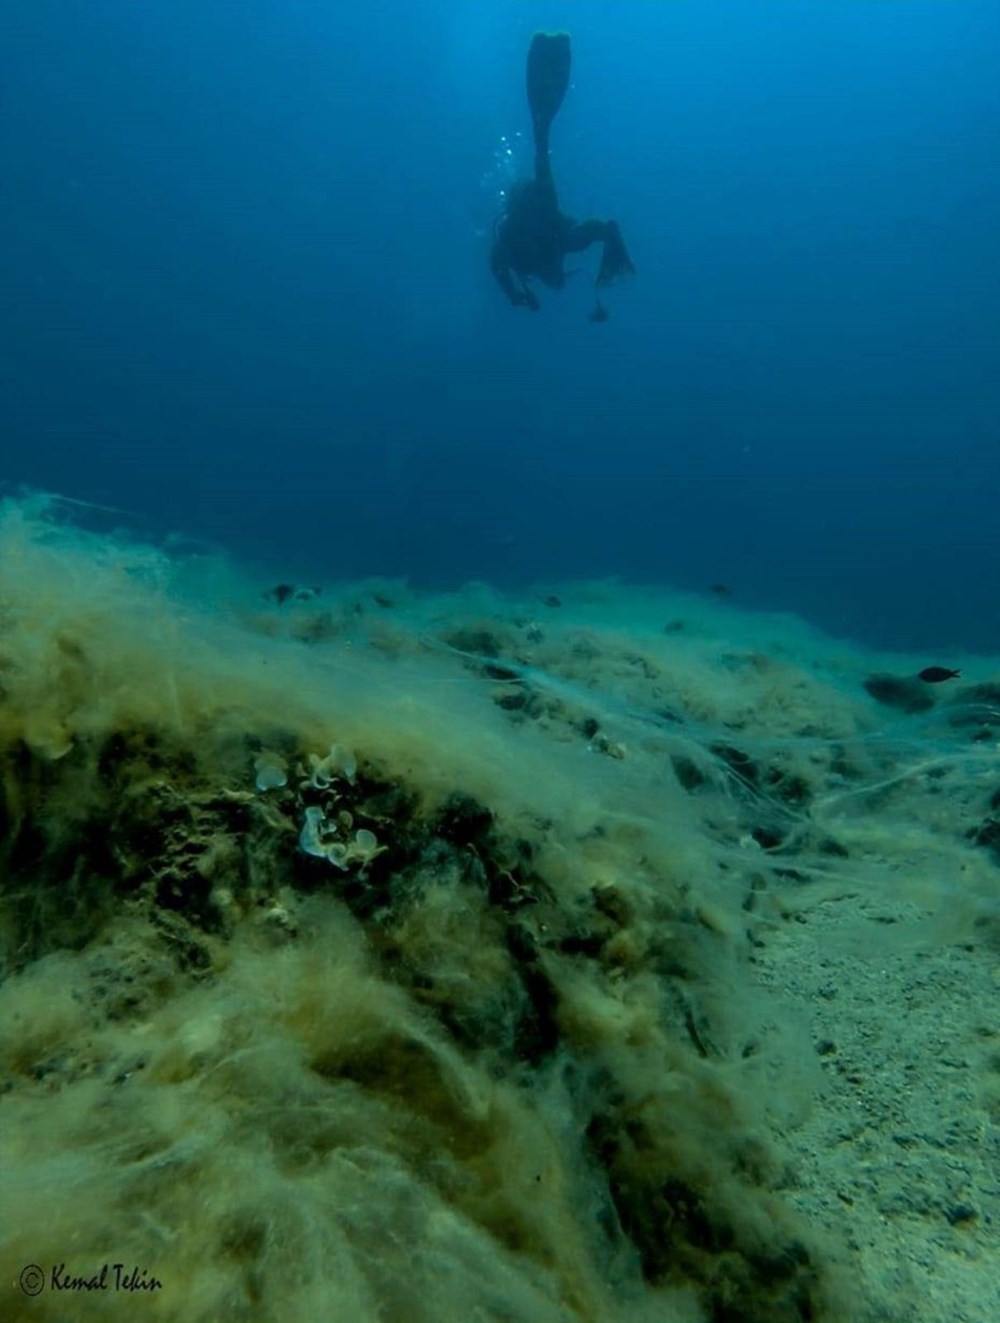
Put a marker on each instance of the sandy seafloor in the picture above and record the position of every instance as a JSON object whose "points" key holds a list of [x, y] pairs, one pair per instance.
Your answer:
{"points": [[593, 953]]}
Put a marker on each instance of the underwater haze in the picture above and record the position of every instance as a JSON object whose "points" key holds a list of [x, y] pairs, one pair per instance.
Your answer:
{"points": [[247, 295]]}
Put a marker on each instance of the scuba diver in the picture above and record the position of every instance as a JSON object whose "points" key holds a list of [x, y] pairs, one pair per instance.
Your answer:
{"points": [[533, 236]]}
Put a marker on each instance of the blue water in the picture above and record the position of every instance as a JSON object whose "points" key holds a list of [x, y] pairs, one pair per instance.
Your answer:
{"points": [[246, 294]]}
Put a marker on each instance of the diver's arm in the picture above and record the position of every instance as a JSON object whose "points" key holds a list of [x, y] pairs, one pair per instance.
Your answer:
{"points": [[503, 276], [522, 297]]}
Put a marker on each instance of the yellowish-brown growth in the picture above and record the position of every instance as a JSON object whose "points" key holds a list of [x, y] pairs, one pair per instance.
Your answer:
{"points": [[499, 1053]]}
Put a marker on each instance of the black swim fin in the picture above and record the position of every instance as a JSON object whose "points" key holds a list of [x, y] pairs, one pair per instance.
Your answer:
{"points": [[615, 261], [549, 61]]}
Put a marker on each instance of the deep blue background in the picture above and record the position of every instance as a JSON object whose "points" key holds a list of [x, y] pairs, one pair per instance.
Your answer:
{"points": [[245, 293]]}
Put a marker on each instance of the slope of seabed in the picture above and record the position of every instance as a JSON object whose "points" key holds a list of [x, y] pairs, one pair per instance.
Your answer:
{"points": [[598, 954]]}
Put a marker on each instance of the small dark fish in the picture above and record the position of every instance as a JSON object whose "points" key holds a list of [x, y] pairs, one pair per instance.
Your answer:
{"points": [[936, 674], [598, 313], [721, 589], [552, 600]]}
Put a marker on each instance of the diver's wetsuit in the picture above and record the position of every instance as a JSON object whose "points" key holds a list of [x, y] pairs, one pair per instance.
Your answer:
{"points": [[533, 236]]}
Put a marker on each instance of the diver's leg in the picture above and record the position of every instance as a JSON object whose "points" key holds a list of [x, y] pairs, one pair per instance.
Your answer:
{"points": [[615, 261], [543, 163], [548, 71], [584, 233], [546, 197]]}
